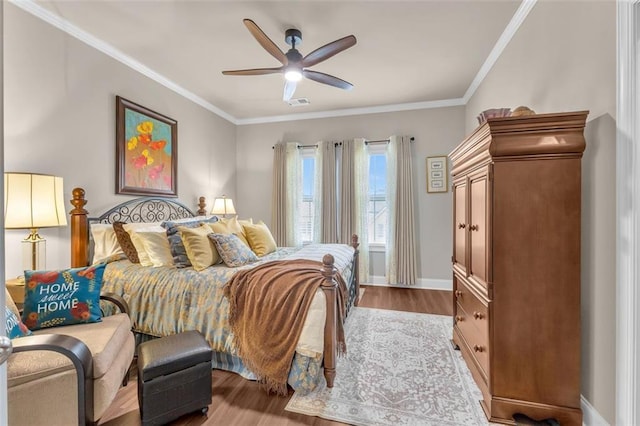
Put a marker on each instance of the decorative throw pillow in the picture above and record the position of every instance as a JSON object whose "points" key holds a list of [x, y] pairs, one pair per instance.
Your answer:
{"points": [[233, 251], [231, 226], [63, 297], [14, 325], [179, 252], [156, 247], [136, 235], [138, 244], [10, 303], [260, 239], [105, 242], [124, 239], [201, 250], [15, 328]]}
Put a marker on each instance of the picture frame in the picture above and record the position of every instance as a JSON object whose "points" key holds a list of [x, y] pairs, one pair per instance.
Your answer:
{"points": [[146, 151], [437, 175]]}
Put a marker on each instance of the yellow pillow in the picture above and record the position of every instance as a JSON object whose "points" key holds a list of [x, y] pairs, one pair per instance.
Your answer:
{"points": [[200, 249], [156, 248], [231, 226], [260, 239]]}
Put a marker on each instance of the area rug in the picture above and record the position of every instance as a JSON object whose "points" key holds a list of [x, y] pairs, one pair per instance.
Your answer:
{"points": [[400, 369]]}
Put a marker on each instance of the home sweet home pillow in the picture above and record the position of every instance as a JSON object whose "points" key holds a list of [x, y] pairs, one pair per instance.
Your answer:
{"points": [[62, 297], [13, 326]]}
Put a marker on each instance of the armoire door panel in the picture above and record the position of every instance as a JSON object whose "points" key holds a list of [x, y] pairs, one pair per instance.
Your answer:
{"points": [[460, 226], [477, 226]]}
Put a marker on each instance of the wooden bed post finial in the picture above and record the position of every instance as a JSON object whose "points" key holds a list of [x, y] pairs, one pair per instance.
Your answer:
{"points": [[79, 230], [329, 286], [202, 211]]}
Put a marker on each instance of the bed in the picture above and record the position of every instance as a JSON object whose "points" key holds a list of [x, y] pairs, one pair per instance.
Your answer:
{"points": [[165, 301]]}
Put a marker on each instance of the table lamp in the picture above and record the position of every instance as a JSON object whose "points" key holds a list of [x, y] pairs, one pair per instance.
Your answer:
{"points": [[223, 206], [33, 201]]}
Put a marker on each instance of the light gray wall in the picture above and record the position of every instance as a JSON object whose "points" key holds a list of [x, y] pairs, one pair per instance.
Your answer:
{"points": [[436, 132], [60, 119], [563, 58]]}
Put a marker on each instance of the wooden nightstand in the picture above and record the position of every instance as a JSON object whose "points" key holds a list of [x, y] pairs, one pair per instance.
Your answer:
{"points": [[16, 290]]}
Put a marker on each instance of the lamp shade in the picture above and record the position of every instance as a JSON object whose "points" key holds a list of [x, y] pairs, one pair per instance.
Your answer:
{"points": [[223, 205], [33, 201]]}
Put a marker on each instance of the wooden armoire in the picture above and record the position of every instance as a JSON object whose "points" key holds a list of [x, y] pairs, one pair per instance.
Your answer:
{"points": [[516, 264]]}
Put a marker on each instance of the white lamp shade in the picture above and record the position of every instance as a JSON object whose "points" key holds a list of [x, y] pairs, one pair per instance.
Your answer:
{"points": [[223, 205], [33, 201]]}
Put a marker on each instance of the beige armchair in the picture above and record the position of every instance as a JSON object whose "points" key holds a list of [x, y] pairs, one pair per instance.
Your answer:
{"points": [[69, 375]]}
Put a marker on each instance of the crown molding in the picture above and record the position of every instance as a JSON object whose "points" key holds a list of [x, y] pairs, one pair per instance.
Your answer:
{"points": [[352, 111], [504, 39], [38, 11], [74, 31]]}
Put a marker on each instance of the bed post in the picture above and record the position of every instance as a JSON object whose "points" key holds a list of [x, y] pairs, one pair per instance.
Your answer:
{"points": [[79, 230], [356, 267], [329, 286]]}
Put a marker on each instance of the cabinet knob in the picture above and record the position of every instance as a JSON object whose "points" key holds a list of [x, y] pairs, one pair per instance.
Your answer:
{"points": [[478, 315], [478, 348], [473, 227], [459, 318], [458, 293], [462, 225]]}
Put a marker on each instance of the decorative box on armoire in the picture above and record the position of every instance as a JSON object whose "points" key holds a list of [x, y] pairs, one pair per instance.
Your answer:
{"points": [[516, 264]]}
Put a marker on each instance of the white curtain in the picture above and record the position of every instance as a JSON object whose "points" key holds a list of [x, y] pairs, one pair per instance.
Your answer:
{"points": [[347, 213], [286, 197], [326, 177], [360, 193], [400, 244]]}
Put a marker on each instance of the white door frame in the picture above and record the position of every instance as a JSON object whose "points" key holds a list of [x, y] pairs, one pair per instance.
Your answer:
{"points": [[3, 368], [628, 215]]}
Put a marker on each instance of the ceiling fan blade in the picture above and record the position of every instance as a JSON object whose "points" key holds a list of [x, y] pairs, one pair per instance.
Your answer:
{"points": [[253, 71], [321, 77], [289, 90], [265, 41], [328, 50]]}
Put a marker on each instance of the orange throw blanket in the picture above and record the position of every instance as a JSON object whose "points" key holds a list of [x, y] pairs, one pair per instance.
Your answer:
{"points": [[268, 305]]}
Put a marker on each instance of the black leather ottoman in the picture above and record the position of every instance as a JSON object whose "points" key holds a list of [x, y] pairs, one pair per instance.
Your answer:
{"points": [[174, 377]]}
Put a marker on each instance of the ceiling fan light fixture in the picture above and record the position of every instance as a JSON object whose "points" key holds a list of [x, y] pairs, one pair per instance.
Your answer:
{"points": [[293, 74], [294, 65]]}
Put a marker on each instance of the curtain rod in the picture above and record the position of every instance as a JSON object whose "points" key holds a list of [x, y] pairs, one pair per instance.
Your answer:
{"points": [[301, 146], [340, 143], [383, 141]]}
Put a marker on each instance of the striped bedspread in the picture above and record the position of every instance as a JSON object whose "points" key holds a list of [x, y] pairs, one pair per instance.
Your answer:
{"points": [[166, 301]]}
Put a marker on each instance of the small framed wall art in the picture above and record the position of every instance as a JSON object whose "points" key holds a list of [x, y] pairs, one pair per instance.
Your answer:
{"points": [[437, 174], [146, 151]]}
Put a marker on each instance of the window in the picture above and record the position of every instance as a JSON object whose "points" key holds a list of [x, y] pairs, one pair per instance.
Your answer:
{"points": [[377, 209], [307, 215]]}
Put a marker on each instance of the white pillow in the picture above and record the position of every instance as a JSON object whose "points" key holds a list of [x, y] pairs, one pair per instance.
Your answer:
{"points": [[142, 226], [133, 229], [156, 248], [105, 243]]}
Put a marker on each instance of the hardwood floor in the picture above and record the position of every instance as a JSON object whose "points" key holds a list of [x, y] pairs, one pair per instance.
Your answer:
{"points": [[237, 401]]}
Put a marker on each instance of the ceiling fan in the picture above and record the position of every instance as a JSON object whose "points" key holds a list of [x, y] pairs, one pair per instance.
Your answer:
{"points": [[294, 65]]}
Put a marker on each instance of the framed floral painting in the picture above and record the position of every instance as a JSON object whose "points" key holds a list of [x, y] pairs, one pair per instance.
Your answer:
{"points": [[146, 151]]}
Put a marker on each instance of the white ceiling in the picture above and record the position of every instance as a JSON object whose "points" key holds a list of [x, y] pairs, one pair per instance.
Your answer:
{"points": [[407, 51]]}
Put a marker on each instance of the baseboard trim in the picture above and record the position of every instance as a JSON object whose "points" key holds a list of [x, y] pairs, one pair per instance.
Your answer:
{"points": [[590, 416], [422, 283]]}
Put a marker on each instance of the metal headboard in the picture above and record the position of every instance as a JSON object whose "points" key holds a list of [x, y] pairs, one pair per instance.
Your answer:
{"points": [[145, 209]]}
